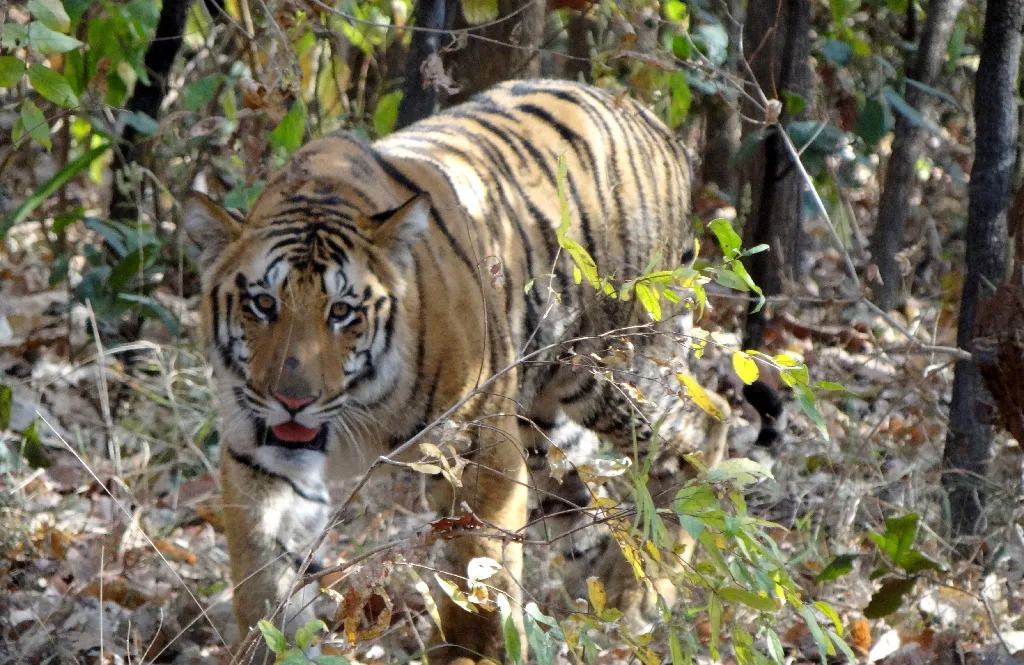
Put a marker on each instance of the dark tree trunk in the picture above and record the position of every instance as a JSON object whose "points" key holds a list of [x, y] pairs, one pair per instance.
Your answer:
{"points": [[908, 141], [995, 116], [723, 129], [147, 98], [508, 50], [777, 42], [419, 99]]}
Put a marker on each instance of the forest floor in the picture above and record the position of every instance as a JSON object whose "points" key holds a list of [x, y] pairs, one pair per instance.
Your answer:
{"points": [[112, 547]]}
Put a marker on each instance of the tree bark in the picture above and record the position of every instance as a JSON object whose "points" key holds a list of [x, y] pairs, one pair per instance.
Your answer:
{"points": [[777, 39], [723, 129], [508, 49], [419, 99], [968, 440], [908, 142], [147, 98]]}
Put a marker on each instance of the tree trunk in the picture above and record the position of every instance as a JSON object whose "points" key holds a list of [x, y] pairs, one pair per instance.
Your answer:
{"points": [[777, 39], [147, 98], [508, 49], [723, 129], [907, 144], [419, 98], [967, 442]]}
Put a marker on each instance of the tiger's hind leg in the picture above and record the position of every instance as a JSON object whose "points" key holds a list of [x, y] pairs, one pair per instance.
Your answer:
{"points": [[275, 503], [605, 408]]}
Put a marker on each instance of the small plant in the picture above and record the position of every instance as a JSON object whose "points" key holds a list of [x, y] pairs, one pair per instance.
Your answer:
{"points": [[305, 638]]}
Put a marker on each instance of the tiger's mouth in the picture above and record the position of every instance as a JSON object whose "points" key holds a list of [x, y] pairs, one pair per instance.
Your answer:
{"points": [[292, 435]]}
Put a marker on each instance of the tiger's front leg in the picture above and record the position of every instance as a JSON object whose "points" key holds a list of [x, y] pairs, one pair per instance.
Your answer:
{"points": [[494, 487], [275, 505]]}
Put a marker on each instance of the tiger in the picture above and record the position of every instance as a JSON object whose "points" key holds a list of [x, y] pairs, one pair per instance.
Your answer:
{"points": [[374, 290]]}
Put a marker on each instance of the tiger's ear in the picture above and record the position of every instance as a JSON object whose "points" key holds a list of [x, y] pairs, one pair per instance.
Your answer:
{"points": [[210, 226], [398, 229]]}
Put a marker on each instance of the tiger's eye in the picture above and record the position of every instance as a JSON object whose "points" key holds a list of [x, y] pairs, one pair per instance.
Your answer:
{"points": [[339, 311], [265, 303]]}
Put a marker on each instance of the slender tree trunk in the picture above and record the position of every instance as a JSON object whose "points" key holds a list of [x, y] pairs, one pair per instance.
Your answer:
{"points": [[508, 50], [723, 129], [147, 98], [995, 116], [419, 98], [777, 42], [908, 141]]}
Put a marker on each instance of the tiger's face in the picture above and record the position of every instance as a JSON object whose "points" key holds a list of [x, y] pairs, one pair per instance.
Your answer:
{"points": [[301, 309]]}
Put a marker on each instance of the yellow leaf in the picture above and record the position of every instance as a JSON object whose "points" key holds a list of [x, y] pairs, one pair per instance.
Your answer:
{"points": [[428, 600], [699, 396], [745, 367], [456, 594], [598, 596]]}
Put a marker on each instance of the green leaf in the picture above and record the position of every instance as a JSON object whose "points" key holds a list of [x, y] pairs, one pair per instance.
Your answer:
{"points": [[840, 565], [386, 114], [330, 660], [679, 99], [51, 13], [13, 35], [32, 448], [304, 636], [11, 71], [915, 562], [130, 266], [903, 107], [888, 598], [739, 470], [648, 298], [822, 642], [6, 402], [807, 402], [874, 122], [728, 239], [794, 103], [675, 11], [142, 123], [290, 131], [198, 94], [479, 11], [775, 648], [48, 41], [272, 636], [745, 367], [837, 52], [832, 615], [736, 594], [513, 647], [935, 92], [51, 85], [34, 122], [50, 186]]}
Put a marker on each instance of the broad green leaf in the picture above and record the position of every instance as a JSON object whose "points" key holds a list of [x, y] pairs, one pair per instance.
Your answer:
{"points": [[290, 132], [48, 41], [51, 13], [728, 239], [648, 298], [715, 619], [679, 99], [904, 108], [675, 11], [699, 396], [740, 470], [50, 186], [51, 85], [479, 11], [11, 71], [824, 645], [837, 52], [13, 35], [745, 366], [843, 646], [888, 598], [900, 533], [130, 266], [272, 636], [832, 615], [775, 648], [142, 123], [304, 636], [386, 113], [199, 93], [34, 122], [874, 122], [750, 599], [915, 562], [840, 565]]}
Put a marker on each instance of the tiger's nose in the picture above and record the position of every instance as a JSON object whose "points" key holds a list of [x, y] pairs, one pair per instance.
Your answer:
{"points": [[293, 403]]}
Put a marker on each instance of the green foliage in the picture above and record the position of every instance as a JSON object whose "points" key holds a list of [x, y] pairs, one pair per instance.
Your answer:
{"points": [[305, 637]]}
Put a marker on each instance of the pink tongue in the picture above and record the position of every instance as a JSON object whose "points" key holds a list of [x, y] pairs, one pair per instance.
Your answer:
{"points": [[294, 432]]}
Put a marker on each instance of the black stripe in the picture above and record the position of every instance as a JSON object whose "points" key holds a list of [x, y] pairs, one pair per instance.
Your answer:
{"points": [[395, 174], [245, 460]]}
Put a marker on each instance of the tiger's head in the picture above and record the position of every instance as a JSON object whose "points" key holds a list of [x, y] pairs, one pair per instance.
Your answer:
{"points": [[301, 298]]}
